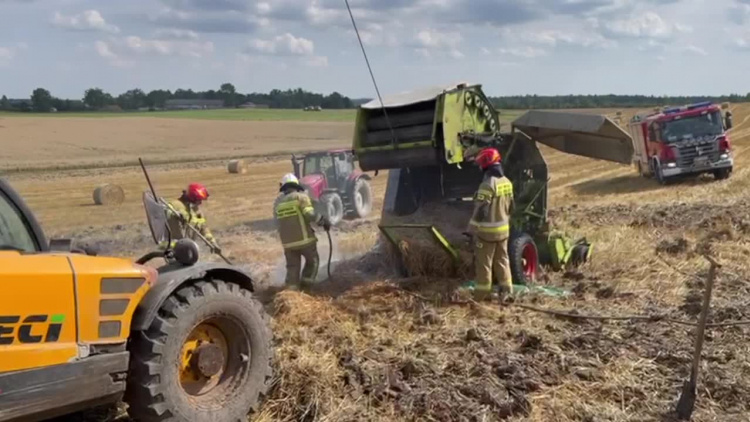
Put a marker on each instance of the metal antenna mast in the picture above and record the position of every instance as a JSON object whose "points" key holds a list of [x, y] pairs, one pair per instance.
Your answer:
{"points": [[362, 46]]}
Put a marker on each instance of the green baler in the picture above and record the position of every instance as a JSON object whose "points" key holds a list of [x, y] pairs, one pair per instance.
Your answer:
{"points": [[426, 139]]}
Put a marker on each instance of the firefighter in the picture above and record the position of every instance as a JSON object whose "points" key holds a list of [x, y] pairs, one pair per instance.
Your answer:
{"points": [[186, 210], [490, 227], [295, 214]]}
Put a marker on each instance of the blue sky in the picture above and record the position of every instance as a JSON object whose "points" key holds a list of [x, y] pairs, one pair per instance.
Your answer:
{"points": [[545, 47]]}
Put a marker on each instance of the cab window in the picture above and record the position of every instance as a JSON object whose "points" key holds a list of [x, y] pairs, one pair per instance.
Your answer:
{"points": [[15, 233]]}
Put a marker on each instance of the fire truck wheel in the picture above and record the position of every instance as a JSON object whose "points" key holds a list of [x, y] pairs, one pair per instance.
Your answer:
{"points": [[722, 174], [659, 174]]}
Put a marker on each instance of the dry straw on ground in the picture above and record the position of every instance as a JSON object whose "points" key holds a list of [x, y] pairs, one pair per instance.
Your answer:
{"points": [[109, 194]]}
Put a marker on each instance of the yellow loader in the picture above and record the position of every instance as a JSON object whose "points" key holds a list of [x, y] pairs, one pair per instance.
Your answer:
{"points": [[183, 342]]}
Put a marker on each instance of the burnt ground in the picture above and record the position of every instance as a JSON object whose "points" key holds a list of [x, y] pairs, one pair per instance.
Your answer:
{"points": [[367, 346]]}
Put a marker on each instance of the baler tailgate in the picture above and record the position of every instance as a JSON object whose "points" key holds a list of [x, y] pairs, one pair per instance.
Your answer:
{"points": [[588, 135]]}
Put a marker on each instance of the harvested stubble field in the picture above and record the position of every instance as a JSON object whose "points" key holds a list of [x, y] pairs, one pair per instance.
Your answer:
{"points": [[368, 346]]}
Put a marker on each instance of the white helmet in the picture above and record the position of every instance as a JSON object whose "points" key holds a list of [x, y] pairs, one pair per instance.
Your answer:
{"points": [[288, 178]]}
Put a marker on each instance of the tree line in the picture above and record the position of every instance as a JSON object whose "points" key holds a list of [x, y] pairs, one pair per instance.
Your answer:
{"points": [[41, 100]]}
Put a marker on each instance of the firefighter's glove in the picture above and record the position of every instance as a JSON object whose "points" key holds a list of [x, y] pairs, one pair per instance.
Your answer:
{"points": [[216, 249], [326, 225]]}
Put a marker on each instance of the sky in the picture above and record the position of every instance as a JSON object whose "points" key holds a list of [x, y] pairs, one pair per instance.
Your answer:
{"points": [[511, 47]]}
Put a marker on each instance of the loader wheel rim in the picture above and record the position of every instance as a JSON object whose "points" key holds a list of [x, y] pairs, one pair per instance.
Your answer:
{"points": [[206, 364], [530, 261]]}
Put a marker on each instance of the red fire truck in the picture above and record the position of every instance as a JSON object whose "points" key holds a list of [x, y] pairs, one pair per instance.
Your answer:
{"points": [[682, 141]]}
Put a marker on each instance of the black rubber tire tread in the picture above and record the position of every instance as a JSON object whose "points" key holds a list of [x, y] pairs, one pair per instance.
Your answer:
{"points": [[360, 184], [152, 396], [722, 174], [337, 203], [403, 135], [516, 243], [416, 118]]}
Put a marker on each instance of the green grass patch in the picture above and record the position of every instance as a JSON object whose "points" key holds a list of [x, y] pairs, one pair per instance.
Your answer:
{"points": [[223, 114]]}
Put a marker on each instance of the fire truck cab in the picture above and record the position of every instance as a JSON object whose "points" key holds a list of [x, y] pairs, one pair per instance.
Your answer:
{"points": [[682, 141]]}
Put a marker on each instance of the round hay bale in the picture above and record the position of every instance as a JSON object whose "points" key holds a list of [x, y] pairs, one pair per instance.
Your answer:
{"points": [[109, 194], [237, 167]]}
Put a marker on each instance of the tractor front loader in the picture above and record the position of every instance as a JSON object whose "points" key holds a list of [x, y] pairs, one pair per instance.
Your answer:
{"points": [[185, 341], [426, 140]]}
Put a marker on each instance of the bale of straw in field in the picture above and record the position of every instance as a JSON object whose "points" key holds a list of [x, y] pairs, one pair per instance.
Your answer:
{"points": [[109, 194], [237, 167]]}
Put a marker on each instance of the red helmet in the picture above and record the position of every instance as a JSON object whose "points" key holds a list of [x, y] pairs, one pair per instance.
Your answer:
{"points": [[197, 192], [487, 157]]}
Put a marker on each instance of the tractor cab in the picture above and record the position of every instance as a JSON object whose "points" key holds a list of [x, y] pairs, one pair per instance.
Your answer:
{"points": [[335, 186], [321, 170]]}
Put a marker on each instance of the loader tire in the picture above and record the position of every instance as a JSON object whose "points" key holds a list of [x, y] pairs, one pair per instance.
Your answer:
{"points": [[524, 258], [361, 198], [205, 357], [332, 207]]}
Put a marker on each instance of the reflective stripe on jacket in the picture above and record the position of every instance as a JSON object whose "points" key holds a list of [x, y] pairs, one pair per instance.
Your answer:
{"points": [[492, 206], [295, 214], [191, 214]]}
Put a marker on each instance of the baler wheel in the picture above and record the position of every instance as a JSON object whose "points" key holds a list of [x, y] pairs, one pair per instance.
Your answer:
{"points": [[524, 259]]}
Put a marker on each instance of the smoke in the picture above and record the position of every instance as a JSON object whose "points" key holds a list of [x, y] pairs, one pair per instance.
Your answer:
{"points": [[278, 274]]}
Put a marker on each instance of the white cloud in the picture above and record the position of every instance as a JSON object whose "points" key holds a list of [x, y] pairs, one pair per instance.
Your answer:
{"points": [[646, 25], [286, 44], [168, 47], [263, 8], [692, 49], [525, 52], [176, 34], [102, 48], [554, 38], [105, 51], [375, 34], [88, 20], [9, 53], [316, 61], [430, 43], [428, 38], [6, 54]]}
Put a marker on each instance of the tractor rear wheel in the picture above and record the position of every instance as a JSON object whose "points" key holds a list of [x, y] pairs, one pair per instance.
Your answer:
{"points": [[524, 258], [332, 207], [361, 197], [206, 357]]}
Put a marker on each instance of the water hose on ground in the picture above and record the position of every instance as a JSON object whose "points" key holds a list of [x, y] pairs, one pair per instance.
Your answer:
{"points": [[330, 252]]}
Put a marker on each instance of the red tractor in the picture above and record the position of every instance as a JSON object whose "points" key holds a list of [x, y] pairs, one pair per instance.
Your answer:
{"points": [[336, 188]]}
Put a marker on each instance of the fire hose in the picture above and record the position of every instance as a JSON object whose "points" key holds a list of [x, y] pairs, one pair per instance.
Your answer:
{"points": [[330, 252]]}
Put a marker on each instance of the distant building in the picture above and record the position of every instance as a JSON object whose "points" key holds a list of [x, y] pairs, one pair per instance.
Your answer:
{"points": [[253, 105], [193, 104]]}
